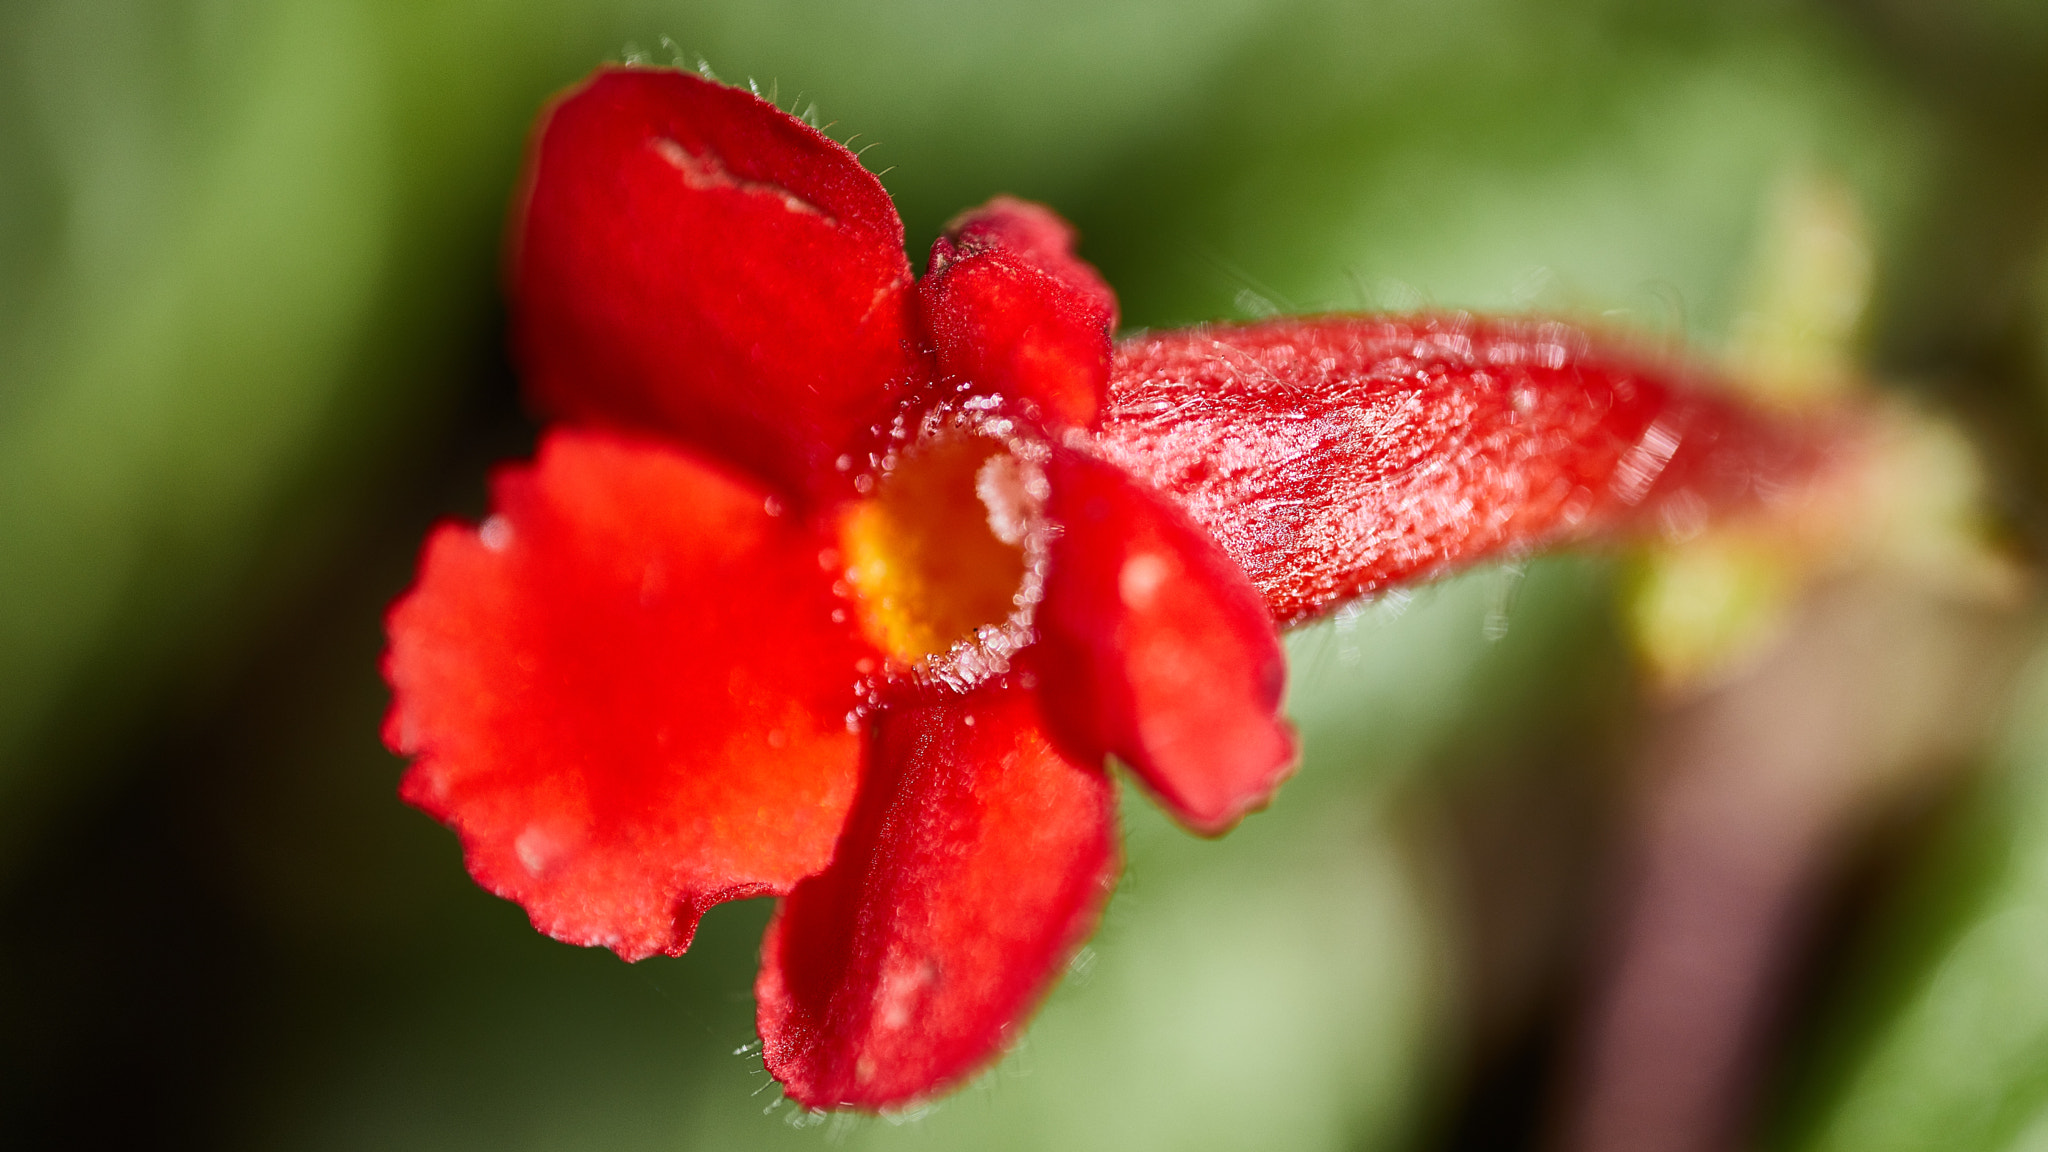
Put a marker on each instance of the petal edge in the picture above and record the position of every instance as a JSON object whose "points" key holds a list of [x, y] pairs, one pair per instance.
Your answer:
{"points": [[1156, 648], [689, 260], [976, 862], [616, 755]]}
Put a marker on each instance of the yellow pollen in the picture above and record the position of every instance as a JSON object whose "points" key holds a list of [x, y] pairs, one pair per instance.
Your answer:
{"points": [[930, 569]]}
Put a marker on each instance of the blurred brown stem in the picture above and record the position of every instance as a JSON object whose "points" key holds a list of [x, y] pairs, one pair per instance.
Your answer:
{"points": [[1751, 791]]}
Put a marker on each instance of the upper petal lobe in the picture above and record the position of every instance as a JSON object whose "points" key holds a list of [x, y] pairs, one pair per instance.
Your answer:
{"points": [[1154, 647], [1034, 234], [1010, 309], [627, 692], [692, 261], [976, 860]]}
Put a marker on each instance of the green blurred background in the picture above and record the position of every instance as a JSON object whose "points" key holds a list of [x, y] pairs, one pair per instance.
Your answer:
{"points": [[251, 346]]}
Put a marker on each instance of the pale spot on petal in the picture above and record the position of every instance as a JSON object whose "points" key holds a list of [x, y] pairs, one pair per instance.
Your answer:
{"points": [[1141, 578]]}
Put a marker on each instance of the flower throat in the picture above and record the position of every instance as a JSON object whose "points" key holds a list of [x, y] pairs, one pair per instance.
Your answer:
{"points": [[944, 556]]}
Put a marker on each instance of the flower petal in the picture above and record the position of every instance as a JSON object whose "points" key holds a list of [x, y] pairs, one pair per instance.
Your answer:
{"points": [[1011, 310], [1154, 647], [976, 861], [1336, 455], [1033, 233], [627, 691], [692, 261]]}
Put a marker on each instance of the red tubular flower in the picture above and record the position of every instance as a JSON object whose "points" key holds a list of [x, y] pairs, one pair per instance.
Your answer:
{"points": [[1333, 456], [835, 585]]}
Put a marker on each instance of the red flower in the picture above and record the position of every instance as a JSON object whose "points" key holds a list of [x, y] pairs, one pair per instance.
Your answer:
{"points": [[839, 586]]}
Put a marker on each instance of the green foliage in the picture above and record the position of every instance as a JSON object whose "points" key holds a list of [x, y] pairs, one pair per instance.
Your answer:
{"points": [[1941, 1039]]}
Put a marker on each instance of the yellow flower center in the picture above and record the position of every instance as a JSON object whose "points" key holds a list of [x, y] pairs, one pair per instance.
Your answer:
{"points": [[945, 556]]}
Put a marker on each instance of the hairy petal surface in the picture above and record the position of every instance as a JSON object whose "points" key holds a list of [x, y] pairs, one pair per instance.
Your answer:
{"points": [[1010, 309], [692, 261], [976, 861], [1332, 456], [626, 692], [1032, 233], [1154, 647]]}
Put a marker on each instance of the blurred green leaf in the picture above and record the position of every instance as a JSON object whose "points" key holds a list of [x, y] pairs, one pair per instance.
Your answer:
{"points": [[220, 236], [1945, 1044]]}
